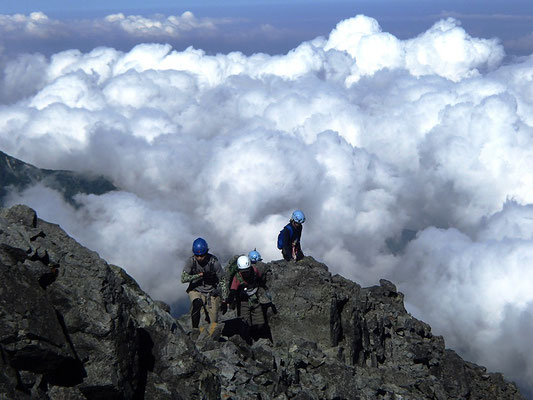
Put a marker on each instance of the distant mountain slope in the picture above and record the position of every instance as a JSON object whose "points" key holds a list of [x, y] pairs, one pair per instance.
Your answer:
{"points": [[20, 175]]}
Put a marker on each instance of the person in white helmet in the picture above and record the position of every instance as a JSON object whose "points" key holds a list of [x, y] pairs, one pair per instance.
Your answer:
{"points": [[232, 267], [289, 237], [246, 291]]}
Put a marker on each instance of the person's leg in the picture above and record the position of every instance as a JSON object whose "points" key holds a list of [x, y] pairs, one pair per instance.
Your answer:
{"points": [[257, 321], [213, 305], [256, 315], [299, 252], [286, 252], [212, 309], [196, 307], [245, 318]]}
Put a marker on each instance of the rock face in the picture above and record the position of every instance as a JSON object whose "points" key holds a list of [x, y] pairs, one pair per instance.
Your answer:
{"points": [[20, 175], [74, 327]]}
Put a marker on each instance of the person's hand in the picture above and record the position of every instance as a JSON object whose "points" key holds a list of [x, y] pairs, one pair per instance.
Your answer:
{"points": [[201, 274]]}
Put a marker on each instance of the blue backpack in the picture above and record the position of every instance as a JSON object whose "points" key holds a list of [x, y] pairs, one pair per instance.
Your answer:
{"points": [[280, 236]]}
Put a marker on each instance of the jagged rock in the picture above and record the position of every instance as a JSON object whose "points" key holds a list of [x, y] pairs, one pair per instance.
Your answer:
{"points": [[332, 339], [90, 331], [74, 327]]}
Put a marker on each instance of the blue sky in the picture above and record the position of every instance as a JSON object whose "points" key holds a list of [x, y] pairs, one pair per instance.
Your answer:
{"points": [[297, 21]]}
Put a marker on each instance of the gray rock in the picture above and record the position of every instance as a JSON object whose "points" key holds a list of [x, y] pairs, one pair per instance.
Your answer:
{"points": [[70, 320], [74, 327]]}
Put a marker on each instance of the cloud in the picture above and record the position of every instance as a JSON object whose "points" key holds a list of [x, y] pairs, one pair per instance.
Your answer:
{"points": [[39, 33], [159, 26], [479, 288], [377, 139], [445, 49], [39, 25]]}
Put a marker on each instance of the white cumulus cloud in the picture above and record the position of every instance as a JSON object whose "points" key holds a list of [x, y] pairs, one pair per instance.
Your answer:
{"points": [[378, 140]]}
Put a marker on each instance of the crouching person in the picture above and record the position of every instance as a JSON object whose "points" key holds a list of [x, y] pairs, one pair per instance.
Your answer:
{"points": [[207, 288], [247, 291]]}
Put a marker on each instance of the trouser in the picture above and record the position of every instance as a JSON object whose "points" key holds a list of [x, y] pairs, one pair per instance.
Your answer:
{"points": [[251, 314], [289, 252], [254, 324], [200, 301]]}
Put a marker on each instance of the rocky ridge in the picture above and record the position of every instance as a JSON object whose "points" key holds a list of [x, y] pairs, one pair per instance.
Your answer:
{"points": [[20, 175], [74, 327]]}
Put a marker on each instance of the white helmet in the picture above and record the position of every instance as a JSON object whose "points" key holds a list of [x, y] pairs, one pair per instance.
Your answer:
{"points": [[243, 262]]}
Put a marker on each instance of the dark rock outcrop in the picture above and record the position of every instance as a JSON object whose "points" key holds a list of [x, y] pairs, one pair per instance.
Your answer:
{"points": [[20, 175], [332, 339], [74, 327]]}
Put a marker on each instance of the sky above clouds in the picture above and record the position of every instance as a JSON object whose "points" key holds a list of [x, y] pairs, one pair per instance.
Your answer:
{"points": [[383, 122], [274, 27]]}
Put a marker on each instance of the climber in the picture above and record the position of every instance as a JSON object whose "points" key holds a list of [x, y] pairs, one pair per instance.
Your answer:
{"points": [[254, 256], [256, 260], [231, 267], [289, 237], [207, 286], [247, 292]]}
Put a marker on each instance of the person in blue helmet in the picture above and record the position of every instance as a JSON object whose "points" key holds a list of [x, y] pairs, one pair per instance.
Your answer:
{"points": [[289, 237], [207, 287], [254, 256]]}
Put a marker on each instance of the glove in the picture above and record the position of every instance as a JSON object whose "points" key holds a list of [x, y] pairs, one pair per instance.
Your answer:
{"points": [[210, 278], [224, 307]]}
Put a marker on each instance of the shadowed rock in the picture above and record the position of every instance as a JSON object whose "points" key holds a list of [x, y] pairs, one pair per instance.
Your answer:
{"points": [[90, 331], [74, 327], [20, 175]]}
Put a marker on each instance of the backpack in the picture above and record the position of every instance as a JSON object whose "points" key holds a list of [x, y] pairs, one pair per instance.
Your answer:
{"points": [[232, 269], [249, 290], [280, 236]]}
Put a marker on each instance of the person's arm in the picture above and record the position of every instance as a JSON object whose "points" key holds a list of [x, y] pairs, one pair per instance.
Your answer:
{"points": [[221, 280], [187, 275]]}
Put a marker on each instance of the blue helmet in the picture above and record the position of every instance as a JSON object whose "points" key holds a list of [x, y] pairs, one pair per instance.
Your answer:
{"points": [[298, 216], [254, 256], [199, 247]]}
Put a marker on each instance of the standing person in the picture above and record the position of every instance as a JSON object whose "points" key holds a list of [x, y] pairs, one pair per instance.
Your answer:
{"points": [[245, 292], [289, 237], [206, 281]]}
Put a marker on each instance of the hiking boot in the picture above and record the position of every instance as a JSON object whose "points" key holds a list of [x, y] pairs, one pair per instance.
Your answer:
{"points": [[212, 328]]}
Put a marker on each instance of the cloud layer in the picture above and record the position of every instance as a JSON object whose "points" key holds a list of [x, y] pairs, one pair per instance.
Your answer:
{"points": [[370, 135]]}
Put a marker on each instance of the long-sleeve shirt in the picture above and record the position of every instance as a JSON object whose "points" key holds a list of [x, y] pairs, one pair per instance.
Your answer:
{"points": [[213, 275]]}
